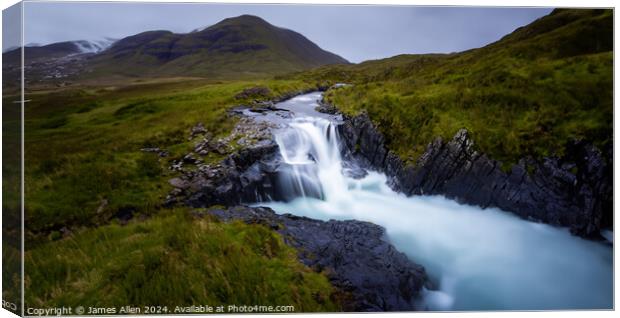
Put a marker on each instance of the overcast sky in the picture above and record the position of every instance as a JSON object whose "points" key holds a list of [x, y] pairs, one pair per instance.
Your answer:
{"points": [[356, 33]]}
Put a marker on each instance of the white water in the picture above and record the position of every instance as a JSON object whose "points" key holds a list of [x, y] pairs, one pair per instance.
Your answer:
{"points": [[478, 258]]}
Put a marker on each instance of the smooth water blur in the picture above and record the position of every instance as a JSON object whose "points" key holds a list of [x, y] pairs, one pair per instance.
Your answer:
{"points": [[311, 157], [478, 258]]}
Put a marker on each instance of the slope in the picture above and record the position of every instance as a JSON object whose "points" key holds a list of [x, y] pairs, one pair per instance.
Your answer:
{"points": [[524, 95]]}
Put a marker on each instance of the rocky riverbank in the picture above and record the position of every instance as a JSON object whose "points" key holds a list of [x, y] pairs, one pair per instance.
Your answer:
{"points": [[573, 191], [248, 171], [371, 273], [243, 175]]}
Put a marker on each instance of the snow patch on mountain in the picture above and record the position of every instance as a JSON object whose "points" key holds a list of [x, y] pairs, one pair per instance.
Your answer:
{"points": [[96, 46]]}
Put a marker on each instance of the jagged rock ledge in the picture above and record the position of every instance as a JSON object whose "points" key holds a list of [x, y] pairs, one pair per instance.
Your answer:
{"points": [[548, 191], [373, 275], [245, 175]]}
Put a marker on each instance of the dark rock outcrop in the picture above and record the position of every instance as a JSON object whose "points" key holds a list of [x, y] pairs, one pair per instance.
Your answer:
{"points": [[244, 176], [356, 258], [574, 190], [327, 108]]}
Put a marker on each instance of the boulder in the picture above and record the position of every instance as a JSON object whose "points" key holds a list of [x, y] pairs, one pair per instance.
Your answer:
{"points": [[353, 254]]}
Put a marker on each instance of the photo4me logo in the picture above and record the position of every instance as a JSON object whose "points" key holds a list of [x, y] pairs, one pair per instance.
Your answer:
{"points": [[259, 309]]}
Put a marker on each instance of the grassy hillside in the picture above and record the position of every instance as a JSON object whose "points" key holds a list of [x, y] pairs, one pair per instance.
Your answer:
{"points": [[244, 46], [83, 145], [527, 94], [85, 170]]}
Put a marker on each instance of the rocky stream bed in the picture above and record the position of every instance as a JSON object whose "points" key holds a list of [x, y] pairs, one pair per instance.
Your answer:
{"points": [[573, 191]]}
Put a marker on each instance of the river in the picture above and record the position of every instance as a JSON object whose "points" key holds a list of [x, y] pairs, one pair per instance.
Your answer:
{"points": [[477, 259]]}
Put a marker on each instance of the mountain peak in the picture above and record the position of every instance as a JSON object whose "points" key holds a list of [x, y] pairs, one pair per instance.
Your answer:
{"points": [[243, 20]]}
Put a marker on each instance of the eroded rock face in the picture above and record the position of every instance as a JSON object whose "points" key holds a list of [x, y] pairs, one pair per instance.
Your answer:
{"points": [[327, 108], [549, 191], [353, 254], [244, 176]]}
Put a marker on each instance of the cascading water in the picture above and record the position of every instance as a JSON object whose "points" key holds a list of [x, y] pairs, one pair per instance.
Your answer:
{"points": [[311, 157], [478, 258]]}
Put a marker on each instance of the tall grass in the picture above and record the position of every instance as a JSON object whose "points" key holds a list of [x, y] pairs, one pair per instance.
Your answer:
{"points": [[173, 260]]}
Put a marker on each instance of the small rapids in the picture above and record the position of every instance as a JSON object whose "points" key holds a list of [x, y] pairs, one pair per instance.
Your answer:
{"points": [[478, 259]]}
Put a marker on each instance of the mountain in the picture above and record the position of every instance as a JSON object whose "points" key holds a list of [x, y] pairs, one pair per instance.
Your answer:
{"points": [[36, 53], [244, 45]]}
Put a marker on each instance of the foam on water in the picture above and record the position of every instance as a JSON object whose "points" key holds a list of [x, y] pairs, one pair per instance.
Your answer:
{"points": [[477, 258]]}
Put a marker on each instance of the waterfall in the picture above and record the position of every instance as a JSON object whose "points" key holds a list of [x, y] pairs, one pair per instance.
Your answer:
{"points": [[312, 163], [479, 259]]}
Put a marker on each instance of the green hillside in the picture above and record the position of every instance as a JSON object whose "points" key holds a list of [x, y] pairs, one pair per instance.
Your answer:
{"points": [[527, 94], [245, 46], [85, 167]]}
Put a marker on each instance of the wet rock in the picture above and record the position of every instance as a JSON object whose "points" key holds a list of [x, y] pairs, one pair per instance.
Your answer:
{"points": [[264, 105], [352, 170], [363, 141], [354, 255], [573, 191], [326, 108], [247, 156]]}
